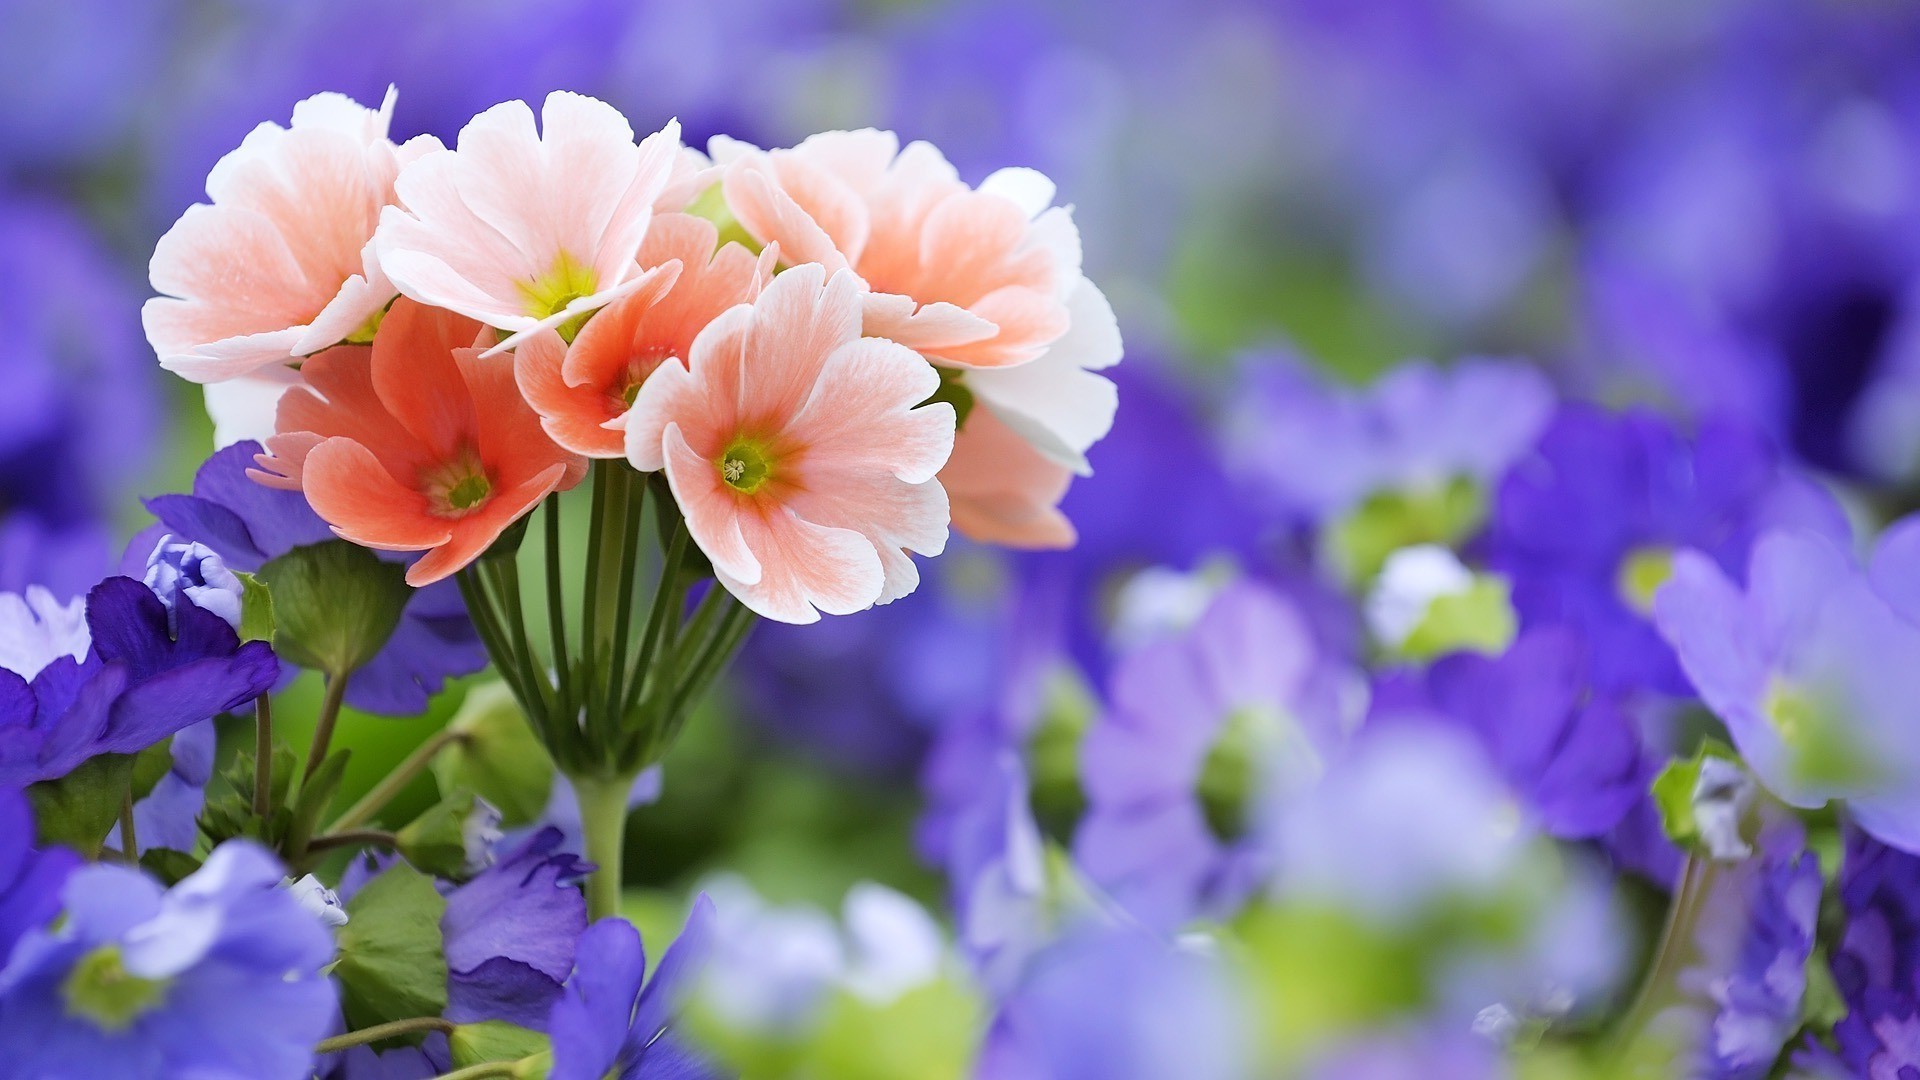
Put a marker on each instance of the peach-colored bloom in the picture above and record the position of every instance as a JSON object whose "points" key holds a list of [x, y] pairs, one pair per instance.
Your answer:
{"points": [[279, 265], [985, 283], [795, 449], [525, 230], [582, 392], [416, 444], [1003, 491]]}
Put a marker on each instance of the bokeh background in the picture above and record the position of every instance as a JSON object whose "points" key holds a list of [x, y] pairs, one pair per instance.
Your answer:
{"points": [[1708, 207]]}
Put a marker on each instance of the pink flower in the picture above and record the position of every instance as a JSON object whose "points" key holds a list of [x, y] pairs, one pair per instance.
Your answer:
{"points": [[583, 392], [985, 283], [797, 453], [525, 230], [279, 266], [416, 444]]}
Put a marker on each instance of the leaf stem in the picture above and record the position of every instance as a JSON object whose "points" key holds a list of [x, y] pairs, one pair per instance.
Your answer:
{"points": [[391, 785], [418, 1025], [329, 717]]}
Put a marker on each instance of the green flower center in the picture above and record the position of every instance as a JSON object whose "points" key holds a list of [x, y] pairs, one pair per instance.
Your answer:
{"points": [[1641, 574], [469, 492], [99, 990], [745, 467], [551, 292], [1821, 751]]}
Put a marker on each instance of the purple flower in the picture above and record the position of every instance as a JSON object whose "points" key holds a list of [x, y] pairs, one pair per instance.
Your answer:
{"points": [[1116, 1005], [1877, 964], [510, 934], [612, 1020], [1574, 757], [1318, 452], [1638, 490], [248, 524], [1809, 668], [36, 629], [183, 568], [1197, 726], [138, 685], [1417, 1055], [221, 976], [30, 878]]}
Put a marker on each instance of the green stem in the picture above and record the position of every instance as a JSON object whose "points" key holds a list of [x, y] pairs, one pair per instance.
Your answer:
{"points": [[1676, 941], [323, 728], [262, 757], [129, 846], [391, 785], [418, 1025], [623, 618], [603, 818], [557, 609], [611, 526], [506, 582], [659, 617]]}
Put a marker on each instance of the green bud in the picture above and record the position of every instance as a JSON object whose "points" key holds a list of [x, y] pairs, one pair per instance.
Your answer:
{"points": [[100, 990], [496, 755], [1674, 793], [451, 839], [335, 605]]}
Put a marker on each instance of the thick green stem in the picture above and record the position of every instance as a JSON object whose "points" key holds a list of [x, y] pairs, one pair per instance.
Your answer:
{"points": [[323, 728], [418, 1025], [391, 785], [603, 818]]}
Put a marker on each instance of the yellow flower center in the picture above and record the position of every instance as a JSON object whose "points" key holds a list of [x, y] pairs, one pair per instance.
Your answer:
{"points": [[99, 990], [550, 293], [745, 466]]}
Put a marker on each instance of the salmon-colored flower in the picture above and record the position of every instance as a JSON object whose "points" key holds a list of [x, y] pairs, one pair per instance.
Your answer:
{"points": [[583, 392], [1003, 491], [526, 230], [985, 283], [797, 453], [279, 266], [416, 444]]}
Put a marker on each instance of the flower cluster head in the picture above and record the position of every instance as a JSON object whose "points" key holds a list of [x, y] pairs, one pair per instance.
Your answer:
{"points": [[832, 352]]}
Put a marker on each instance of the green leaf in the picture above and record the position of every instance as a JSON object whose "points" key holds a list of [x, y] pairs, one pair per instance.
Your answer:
{"points": [[335, 605], [494, 1040], [79, 809], [1673, 792], [393, 962], [496, 756], [229, 807], [168, 865], [256, 609], [150, 765]]}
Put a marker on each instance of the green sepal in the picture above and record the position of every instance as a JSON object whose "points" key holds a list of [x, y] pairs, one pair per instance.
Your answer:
{"points": [[496, 755], [228, 812], [256, 608], [393, 962], [495, 1040], [1673, 792], [436, 841], [316, 795], [335, 605], [507, 546], [170, 866], [79, 809], [955, 392]]}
